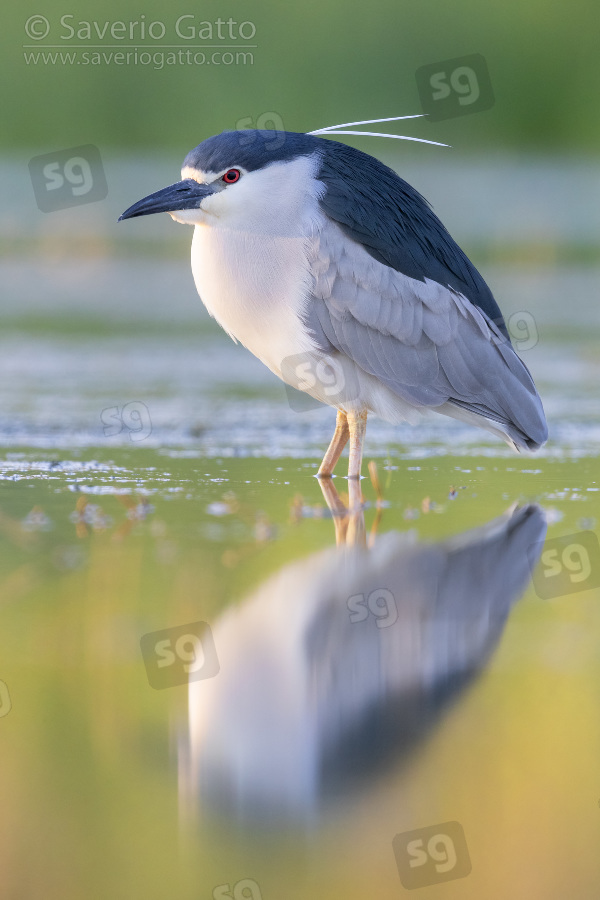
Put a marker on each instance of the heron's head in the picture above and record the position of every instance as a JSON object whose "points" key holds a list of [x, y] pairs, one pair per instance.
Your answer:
{"points": [[240, 179]]}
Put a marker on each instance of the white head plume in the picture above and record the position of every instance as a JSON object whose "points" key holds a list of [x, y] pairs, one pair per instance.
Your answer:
{"points": [[335, 129]]}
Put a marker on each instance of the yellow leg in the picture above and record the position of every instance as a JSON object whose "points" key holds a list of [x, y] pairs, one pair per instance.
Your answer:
{"points": [[357, 425], [338, 442]]}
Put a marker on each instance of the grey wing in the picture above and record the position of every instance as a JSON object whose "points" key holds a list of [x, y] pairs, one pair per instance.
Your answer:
{"points": [[423, 340]]}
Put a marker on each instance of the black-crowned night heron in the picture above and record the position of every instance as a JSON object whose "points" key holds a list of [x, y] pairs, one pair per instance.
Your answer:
{"points": [[337, 274]]}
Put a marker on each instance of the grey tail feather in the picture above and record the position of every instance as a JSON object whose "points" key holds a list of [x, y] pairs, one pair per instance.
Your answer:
{"points": [[538, 429]]}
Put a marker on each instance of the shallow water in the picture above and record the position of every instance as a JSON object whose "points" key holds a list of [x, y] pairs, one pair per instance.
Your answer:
{"points": [[203, 393], [105, 776], [346, 704]]}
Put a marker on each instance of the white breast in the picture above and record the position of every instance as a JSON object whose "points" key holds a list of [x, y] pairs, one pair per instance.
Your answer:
{"points": [[250, 260]]}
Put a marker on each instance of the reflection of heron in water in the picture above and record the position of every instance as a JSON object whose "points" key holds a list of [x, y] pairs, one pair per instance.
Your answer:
{"points": [[343, 661]]}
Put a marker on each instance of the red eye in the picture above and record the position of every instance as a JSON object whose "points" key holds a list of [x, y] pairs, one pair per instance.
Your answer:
{"points": [[231, 176]]}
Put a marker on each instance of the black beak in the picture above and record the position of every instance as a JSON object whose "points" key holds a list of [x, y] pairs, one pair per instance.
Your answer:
{"points": [[187, 194]]}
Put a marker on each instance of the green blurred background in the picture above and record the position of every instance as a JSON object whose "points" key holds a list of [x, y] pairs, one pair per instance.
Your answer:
{"points": [[315, 64]]}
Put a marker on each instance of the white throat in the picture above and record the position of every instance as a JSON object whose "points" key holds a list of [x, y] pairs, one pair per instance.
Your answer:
{"points": [[250, 257]]}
